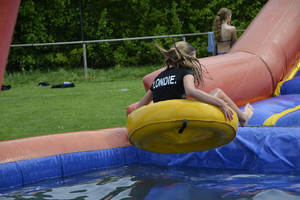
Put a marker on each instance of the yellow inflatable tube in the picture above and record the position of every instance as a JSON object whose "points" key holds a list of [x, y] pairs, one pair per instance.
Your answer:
{"points": [[179, 126]]}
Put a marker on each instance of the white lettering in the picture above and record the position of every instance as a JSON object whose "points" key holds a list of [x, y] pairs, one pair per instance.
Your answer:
{"points": [[172, 80], [168, 80]]}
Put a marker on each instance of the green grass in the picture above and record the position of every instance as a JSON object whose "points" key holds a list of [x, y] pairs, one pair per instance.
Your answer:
{"points": [[96, 102], [117, 73]]}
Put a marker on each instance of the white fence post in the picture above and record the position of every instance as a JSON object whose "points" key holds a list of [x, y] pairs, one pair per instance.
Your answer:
{"points": [[84, 60]]}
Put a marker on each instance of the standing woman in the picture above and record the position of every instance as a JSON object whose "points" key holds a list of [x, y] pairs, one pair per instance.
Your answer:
{"points": [[224, 33]]}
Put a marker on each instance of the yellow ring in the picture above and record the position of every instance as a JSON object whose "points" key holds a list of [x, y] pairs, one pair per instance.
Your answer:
{"points": [[156, 127]]}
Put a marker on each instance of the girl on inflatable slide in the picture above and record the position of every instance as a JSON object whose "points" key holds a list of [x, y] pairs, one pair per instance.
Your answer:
{"points": [[178, 79]]}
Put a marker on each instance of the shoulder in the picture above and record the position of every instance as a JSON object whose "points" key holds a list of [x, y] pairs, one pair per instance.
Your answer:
{"points": [[229, 27], [187, 71], [232, 28], [180, 70]]}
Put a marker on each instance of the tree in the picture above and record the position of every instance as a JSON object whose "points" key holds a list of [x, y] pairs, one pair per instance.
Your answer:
{"points": [[59, 20]]}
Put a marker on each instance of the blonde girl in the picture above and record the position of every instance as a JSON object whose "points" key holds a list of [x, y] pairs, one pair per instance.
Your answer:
{"points": [[178, 80]]}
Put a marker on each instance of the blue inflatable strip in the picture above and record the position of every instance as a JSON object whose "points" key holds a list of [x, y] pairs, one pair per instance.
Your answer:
{"points": [[266, 108], [274, 118], [255, 148], [297, 74], [28, 171], [290, 119], [291, 86]]}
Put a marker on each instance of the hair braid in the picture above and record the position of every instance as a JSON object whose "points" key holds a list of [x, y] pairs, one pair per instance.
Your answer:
{"points": [[217, 28]]}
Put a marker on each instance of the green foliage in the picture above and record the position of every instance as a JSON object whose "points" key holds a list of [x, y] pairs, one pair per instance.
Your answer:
{"points": [[59, 20]]}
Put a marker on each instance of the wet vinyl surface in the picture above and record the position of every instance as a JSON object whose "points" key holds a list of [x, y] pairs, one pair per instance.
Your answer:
{"points": [[161, 182]]}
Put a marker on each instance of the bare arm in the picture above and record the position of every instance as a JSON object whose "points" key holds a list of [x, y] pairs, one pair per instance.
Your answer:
{"points": [[233, 32], [193, 92], [146, 99]]}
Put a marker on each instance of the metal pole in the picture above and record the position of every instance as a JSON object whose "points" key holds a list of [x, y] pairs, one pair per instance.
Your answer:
{"points": [[111, 40], [83, 45], [84, 60]]}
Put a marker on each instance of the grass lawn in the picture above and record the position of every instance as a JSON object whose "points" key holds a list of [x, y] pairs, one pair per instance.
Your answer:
{"points": [[30, 110]]}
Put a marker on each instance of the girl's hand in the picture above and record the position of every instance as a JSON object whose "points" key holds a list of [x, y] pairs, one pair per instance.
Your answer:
{"points": [[228, 114]]}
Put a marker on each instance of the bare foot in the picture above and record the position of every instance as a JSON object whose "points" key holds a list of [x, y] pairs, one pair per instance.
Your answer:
{"points": [[248, 112]]}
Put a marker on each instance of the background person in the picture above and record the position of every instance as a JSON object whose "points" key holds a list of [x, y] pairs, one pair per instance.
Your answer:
{"points": [[224, 33]]}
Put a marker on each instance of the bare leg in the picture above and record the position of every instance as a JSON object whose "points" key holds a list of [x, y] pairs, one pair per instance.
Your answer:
{"points": [[243, 116]]}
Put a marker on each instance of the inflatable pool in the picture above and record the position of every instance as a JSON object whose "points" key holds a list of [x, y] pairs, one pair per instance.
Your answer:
{"points": [[265, 55]]}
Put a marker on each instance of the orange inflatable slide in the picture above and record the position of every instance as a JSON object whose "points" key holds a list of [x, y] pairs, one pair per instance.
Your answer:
{"points": [[262, 57]]}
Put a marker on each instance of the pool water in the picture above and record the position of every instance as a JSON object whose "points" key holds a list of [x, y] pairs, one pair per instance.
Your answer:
{"points": [[162, 182]]}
